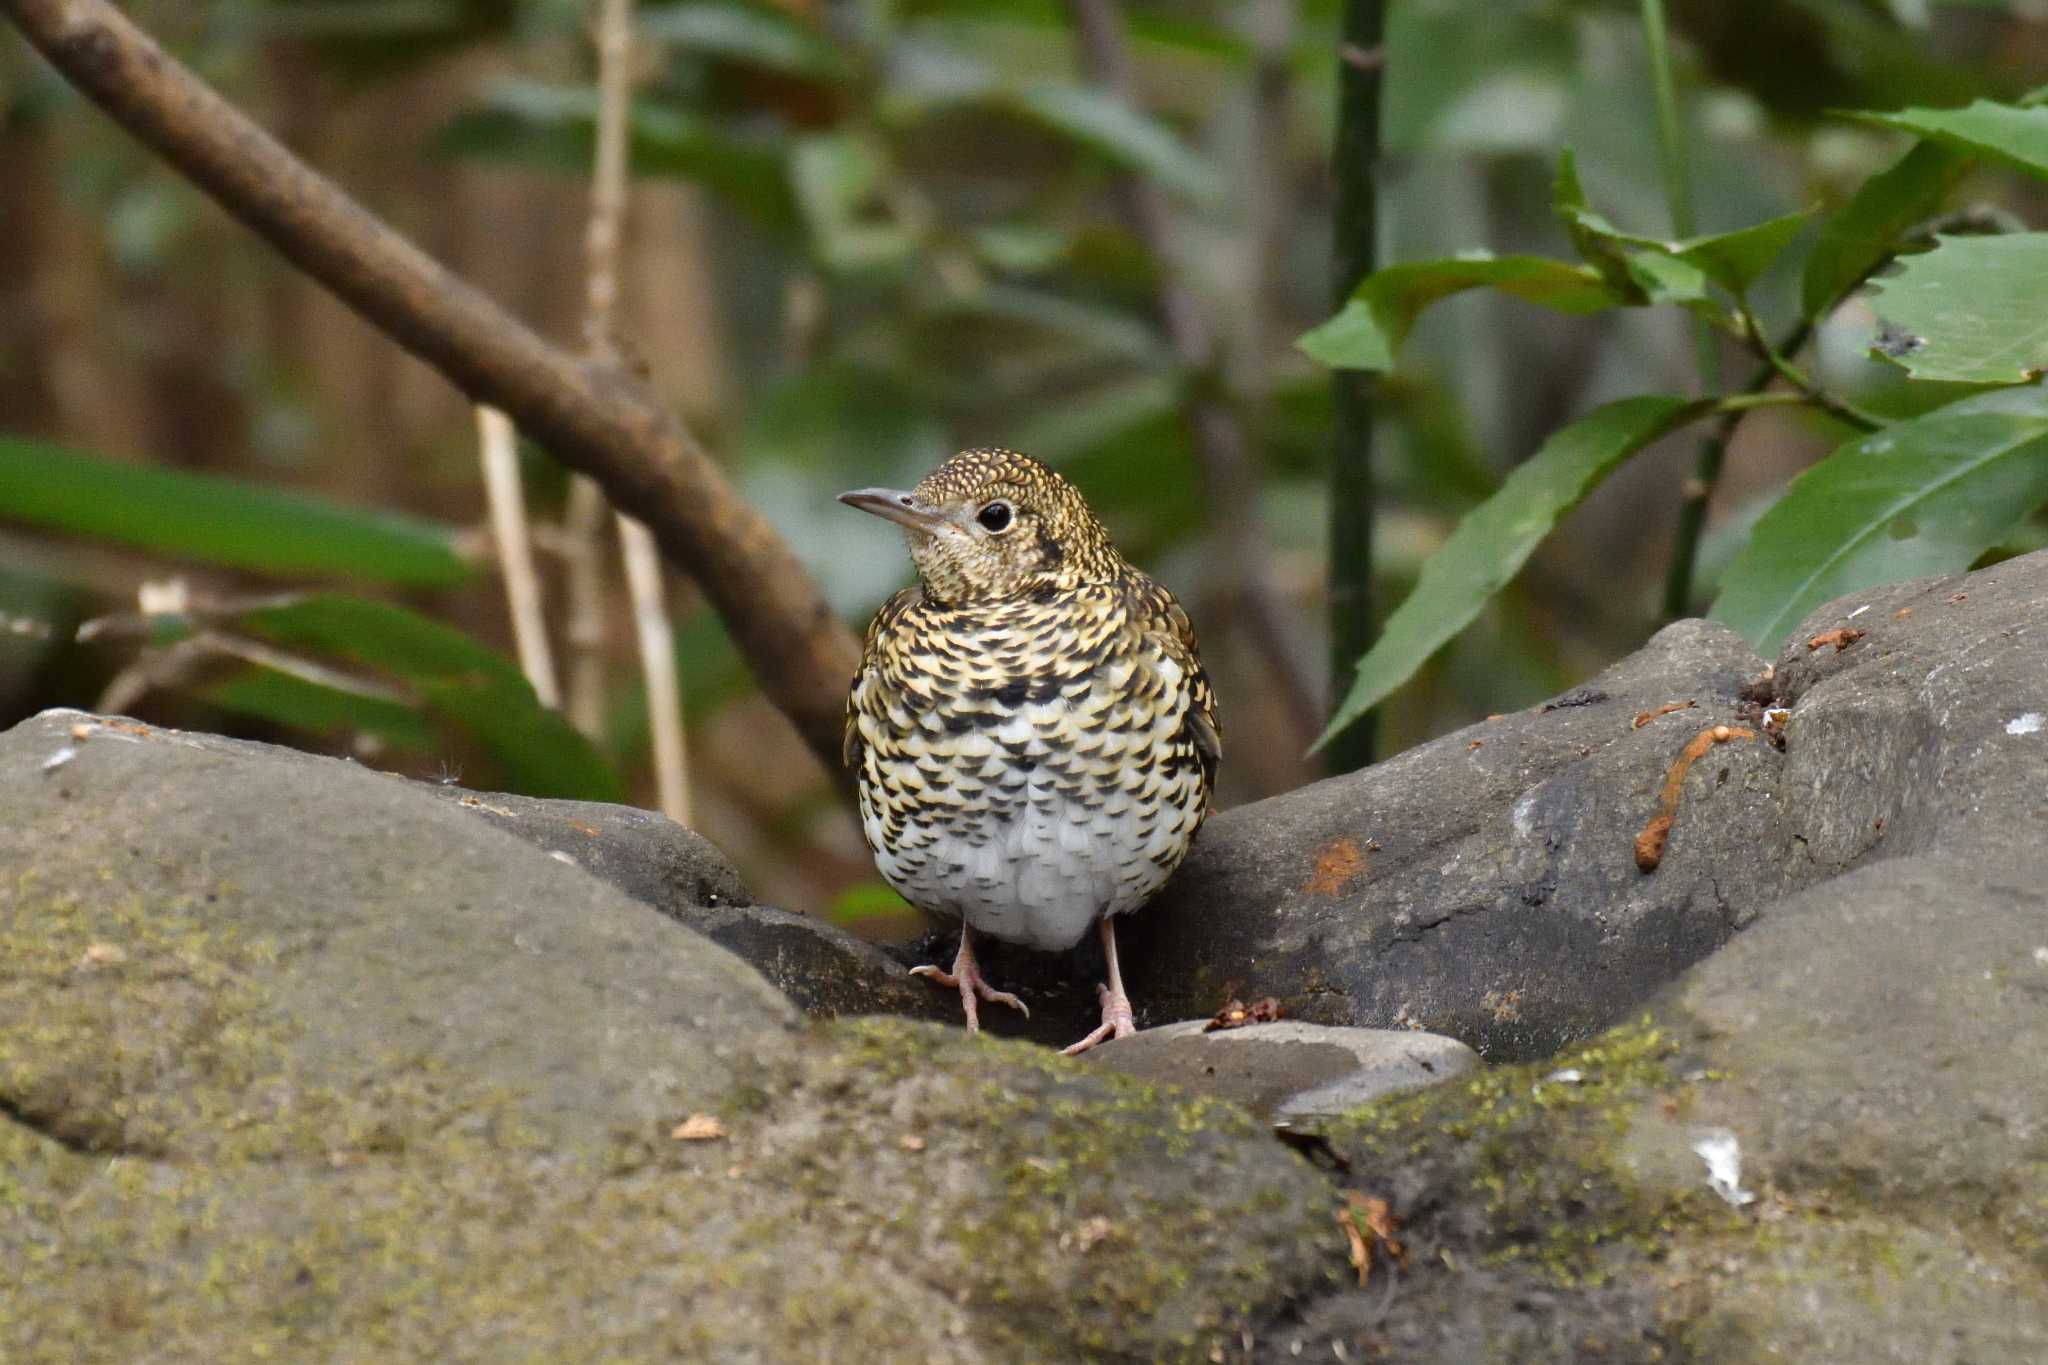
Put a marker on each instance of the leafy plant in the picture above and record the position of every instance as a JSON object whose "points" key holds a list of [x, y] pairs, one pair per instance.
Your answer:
{"points": [[1901, 497], [325, 663]]}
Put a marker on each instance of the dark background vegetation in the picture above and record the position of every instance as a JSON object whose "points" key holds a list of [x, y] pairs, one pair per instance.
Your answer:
{"points": [[866, 234]]}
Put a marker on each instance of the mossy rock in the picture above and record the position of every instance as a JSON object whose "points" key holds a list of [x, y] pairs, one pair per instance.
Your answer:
{"points": [[299, 1062], [1873, 1050]]}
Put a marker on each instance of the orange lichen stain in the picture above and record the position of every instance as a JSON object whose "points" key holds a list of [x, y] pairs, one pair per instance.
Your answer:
{"points": [[1338, 864], [1650, 843]]}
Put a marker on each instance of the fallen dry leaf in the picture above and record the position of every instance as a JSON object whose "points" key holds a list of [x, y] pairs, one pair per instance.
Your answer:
{"points": [[1369, 1222], [1237, 1014], [698, 1128], [1841, 637]]}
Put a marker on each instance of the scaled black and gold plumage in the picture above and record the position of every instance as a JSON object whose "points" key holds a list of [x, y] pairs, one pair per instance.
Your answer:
{"points": [[1033, 735]]}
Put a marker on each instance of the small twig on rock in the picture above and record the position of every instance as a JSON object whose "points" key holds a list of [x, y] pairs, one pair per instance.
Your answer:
{"points": [[1645, 717], [1650, 843]]}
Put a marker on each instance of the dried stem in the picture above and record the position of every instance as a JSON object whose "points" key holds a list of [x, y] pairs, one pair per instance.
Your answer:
{"points": [[581, 545], [499, 449], [1230, 482], [658, 668], [603, 244], [599, 422]]}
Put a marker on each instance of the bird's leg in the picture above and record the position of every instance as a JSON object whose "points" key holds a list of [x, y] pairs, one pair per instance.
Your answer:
{"points": [[967, 978], [1117, 1021]]}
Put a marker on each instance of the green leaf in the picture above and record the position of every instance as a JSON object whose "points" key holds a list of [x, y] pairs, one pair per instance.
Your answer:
{"points": [[1867, 230], [553, 127], [867, 901], [463, 683], [286, 699], [1166, 35], [837, 177], [1671, 279], [757, 34], [1925, 496], [1596, 246], [1123, 135], [221, 521], [1497, 537], [1973, 310], [1101, 330], [2016, 136], [1731, 258], [1735, 259], [1381, 311]]}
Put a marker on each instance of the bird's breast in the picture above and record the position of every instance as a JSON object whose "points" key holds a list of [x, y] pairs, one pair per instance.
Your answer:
{"points": [[1029, 791]]}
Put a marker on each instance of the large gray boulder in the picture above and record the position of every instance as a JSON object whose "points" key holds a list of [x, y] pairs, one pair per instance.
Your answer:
{"points": [[1485, 885], [1829, 1139], [299, 1061]]}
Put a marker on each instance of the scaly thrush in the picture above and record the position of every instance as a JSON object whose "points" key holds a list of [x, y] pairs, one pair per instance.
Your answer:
{"points": [[1034, 738]]}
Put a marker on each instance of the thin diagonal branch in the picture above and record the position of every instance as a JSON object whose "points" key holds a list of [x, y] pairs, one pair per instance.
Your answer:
{"points": [[601, 423], [1228, 477]]}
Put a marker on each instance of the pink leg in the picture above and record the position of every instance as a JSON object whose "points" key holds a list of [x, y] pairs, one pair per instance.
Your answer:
{"points": [[967, 978], [1116, 1006]]}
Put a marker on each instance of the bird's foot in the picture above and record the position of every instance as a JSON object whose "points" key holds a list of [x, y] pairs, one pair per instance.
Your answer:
{"points": [[966, 978], [1117, 1021]]}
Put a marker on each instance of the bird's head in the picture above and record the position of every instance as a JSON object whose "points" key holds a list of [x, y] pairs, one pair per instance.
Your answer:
{"points": [[993, 524]]}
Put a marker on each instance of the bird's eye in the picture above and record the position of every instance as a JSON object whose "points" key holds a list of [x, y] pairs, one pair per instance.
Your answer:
{"points": [[995, 517]]}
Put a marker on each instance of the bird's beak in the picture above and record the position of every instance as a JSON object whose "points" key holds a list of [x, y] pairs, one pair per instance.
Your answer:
{"points": [[895, 505]]}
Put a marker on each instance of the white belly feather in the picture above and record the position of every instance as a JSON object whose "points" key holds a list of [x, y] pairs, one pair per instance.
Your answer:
{"points": [[1052, 851]]}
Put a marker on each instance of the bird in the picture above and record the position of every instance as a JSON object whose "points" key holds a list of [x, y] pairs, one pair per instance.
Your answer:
{"points": [[1032, 734]]}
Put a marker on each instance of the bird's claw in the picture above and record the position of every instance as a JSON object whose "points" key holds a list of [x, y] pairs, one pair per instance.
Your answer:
{"points": [[1118, 1021], [966, 978]]}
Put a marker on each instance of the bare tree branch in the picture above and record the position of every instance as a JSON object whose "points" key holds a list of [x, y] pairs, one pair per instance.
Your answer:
{"points": [[1230, 482], [601, 423]]}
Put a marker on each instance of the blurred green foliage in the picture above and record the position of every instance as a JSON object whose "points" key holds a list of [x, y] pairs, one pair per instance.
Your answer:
{"points": [[918, 247]]}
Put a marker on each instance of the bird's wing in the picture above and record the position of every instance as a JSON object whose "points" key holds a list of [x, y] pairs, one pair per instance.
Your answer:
{"points": [[1168, 625], [850, 747]]}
